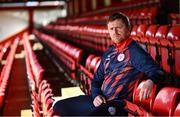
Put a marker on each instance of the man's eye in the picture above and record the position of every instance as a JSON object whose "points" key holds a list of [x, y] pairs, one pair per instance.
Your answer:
{"points": [[120, 27]]}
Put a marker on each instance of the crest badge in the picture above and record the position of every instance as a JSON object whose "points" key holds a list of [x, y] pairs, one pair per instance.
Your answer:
{"points": [[120, 57]]}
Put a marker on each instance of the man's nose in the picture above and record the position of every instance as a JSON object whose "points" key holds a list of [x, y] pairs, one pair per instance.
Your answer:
{"points": [[115, 31]]}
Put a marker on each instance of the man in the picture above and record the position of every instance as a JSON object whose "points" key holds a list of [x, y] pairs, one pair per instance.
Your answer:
{"points": [[121, 66]]}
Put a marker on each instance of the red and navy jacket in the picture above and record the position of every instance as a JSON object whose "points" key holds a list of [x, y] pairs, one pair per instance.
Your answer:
{"points": [[121, 66]]}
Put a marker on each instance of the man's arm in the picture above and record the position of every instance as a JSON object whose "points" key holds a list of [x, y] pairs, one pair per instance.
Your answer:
{"points": [[98, 80], [143, 62]]}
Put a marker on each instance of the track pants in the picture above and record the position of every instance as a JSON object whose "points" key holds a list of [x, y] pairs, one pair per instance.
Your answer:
{"points": [[83, 106]]}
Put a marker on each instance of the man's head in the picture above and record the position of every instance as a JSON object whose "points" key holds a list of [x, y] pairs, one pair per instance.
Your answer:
{"points": [[119, 27]]}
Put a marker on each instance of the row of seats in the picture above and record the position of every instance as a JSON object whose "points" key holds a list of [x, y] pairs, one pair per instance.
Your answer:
{"points": [[99, 17], [145, 15], [6, 70], [41, 93], [69, 55], [162, 42], [91, 36], [32, 61], [45, 97], [163, 102]]}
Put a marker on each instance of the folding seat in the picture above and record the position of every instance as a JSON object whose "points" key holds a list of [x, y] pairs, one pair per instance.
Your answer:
{"points": [[174, 18], [84, 74], [152, 42], [36, 110], [177, 110], [141, 17], [42, 90], [174, 33], [147, 103], [174, 54], [35, 105], [151, 14], [93, 64], [133, 17], [166, 101], [141, 30], [88, 61], [134, 33], [161, 35], [78, 55], [47, 106], [88, 85], [5, 50]]}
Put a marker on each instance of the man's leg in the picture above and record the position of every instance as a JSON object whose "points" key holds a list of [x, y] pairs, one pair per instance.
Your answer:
{"points": [[75, 106]]}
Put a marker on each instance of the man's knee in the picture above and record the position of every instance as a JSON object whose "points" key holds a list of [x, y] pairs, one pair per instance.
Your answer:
{"points": [[57, 107]]}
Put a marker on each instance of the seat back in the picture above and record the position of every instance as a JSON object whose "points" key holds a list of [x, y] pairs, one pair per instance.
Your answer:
{"points": [[152, 41], [161, 35], [147, 103], [166, 101], [88, 61], [93, 64], [141, 30], [177, 110], [174, 36]]}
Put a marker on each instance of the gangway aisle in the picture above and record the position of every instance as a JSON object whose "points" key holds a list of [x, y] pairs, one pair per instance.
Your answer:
{"points": [[18, 95]]}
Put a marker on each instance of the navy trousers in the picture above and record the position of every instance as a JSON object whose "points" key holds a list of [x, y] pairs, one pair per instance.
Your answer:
{"points": [[83, 106]]}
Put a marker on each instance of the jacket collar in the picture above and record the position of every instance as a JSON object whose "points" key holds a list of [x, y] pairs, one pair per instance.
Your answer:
{"points": [[122, 45]]}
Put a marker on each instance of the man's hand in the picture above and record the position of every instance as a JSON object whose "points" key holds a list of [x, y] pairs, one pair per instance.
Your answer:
{"points": [[98, 100], [146, 90]]}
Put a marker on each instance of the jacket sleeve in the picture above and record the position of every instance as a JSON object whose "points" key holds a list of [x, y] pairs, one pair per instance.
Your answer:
{"points": [[98, 80], [143, 62]]}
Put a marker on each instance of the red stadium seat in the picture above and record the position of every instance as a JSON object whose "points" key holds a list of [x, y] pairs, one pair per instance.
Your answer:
{"points": [[141, 31], [88, 61], [166, 101], [174, 33], [134, 33], [177, 110], [174, 36], [78, 55], [94, 63], [148, 103], [164, 44], [153, 42], [149, 36], [175, 18]]}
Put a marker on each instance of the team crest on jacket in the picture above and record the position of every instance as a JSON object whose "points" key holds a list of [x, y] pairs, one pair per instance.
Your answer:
{"points": [[120, 57]]}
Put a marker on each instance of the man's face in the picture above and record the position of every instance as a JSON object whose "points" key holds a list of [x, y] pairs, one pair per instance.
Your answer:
{"points": [[118, 30]]}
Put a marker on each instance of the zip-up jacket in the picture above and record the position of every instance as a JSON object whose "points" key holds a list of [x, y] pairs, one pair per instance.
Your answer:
{"points": [[121, 66]]}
